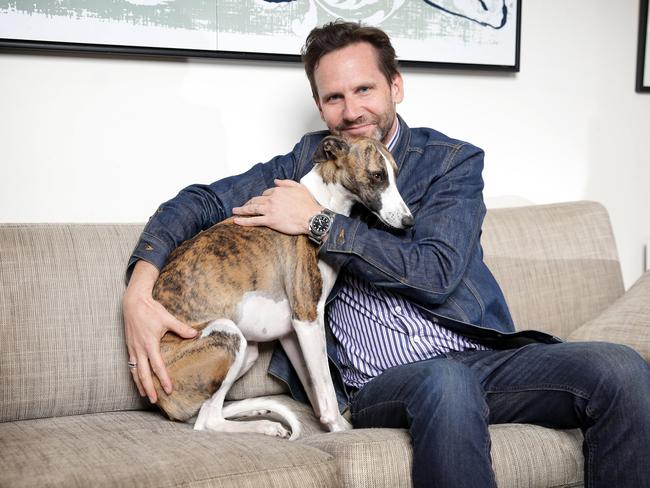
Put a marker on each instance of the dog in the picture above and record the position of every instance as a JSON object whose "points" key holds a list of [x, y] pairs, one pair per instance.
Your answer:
{"points": [[243, 285]]}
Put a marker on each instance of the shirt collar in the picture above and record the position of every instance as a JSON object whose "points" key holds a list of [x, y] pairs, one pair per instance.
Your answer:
{"points": [[393, 141]]}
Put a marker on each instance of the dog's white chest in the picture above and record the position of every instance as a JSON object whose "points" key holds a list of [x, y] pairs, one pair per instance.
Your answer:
{"points": [[263, 319]]}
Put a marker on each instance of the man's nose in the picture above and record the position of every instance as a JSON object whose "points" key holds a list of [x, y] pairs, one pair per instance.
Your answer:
{"points": [[351, 111]]}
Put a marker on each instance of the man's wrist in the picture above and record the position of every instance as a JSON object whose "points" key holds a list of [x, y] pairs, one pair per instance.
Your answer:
{"points": [[143, 278]]}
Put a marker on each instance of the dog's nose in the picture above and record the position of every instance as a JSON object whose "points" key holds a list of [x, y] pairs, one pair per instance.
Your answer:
{"points": [[407, 221]]}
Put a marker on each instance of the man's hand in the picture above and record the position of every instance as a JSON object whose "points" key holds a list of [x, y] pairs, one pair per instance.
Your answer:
{"points": [[145, 322], [286, 208]]}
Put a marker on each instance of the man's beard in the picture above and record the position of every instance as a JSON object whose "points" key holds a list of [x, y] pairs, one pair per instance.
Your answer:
{"points": [[383, 125]]}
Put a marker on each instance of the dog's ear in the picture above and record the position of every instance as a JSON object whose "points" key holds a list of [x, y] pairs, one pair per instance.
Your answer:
{"points": [[331, 148]]}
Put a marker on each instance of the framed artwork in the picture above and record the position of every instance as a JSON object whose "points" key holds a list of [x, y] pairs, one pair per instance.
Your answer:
{"points": [[643, 51], [474, 34]]}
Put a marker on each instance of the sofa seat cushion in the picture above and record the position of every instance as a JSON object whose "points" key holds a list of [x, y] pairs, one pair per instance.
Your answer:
{"points": [[141, 449], [522, 455], [534, 456], [369, 457]]}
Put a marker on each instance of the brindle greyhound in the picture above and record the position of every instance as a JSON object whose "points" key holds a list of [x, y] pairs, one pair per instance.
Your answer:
{"points": [[243, 285]]}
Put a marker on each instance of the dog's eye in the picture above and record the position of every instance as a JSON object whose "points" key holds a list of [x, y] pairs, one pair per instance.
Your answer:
{"points": [[378, 176]]}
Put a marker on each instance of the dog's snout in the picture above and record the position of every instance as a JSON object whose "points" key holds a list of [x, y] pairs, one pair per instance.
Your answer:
{"points": [[407, 221]]}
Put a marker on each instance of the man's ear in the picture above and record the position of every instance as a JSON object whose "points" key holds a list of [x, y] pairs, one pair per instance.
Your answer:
{"points": [[397, 88], [320, 109], [330, 149]]}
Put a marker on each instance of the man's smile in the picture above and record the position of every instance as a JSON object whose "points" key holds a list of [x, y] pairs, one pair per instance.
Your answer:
{"points": [[358, 128]]}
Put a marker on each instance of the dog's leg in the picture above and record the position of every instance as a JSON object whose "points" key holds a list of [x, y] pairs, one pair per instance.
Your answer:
{"points": [[308, 287], [291, 347], [252, 353], [311, 336], [211, 413]]}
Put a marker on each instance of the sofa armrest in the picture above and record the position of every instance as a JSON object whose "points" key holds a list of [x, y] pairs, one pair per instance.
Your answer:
{"points": [[626, 321]]}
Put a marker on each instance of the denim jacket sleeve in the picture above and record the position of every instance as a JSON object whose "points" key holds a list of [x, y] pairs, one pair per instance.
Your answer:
{"points": [[442, 184], [198, 207]]}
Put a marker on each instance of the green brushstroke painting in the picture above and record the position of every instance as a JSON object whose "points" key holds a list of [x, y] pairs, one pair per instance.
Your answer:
{"points": [[173, 14]]}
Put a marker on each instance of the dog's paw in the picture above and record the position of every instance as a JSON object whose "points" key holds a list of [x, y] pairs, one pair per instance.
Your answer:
{"points": [[339, 425], [274, 429], [258, 413]]}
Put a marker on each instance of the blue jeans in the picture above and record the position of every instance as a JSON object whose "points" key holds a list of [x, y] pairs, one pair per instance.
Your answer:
{"points": [[448, 402]]}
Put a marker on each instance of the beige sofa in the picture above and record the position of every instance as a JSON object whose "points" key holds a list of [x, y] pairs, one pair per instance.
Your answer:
{"points": [[70, 415]]}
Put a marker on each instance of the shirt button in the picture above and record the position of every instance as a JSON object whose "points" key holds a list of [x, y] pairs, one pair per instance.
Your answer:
{"points": [[398, 309], [416, 339]]}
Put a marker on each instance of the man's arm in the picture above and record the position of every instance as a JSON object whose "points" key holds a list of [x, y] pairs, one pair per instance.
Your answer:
{"points": [[198, 207], [145, 322]]}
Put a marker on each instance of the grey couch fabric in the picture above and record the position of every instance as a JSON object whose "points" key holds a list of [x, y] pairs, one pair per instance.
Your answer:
{"points": [[70, 415], [138, 449]]}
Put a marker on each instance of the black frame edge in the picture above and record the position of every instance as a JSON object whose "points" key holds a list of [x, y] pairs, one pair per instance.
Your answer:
{"points": [[643, 35]]}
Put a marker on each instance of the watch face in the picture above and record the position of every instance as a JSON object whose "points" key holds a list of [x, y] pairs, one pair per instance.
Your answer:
{"points": [[320, 224]]}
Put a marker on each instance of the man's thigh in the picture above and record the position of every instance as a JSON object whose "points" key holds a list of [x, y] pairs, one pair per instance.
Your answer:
{"points": [[437, 387], [547, 384]]}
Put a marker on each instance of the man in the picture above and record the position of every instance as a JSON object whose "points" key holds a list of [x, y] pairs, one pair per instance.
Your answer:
{"points": [[424, 339]]}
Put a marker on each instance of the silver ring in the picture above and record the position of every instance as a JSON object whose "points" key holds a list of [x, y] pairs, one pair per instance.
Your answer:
{"points": [[132, 364]]}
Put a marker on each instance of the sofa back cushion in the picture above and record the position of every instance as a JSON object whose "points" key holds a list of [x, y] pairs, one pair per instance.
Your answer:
{"points": [[556, 264], [62, 350]]}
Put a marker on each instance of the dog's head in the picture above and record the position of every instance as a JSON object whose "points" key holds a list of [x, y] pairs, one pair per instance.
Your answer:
{"points": [[365, 168]]}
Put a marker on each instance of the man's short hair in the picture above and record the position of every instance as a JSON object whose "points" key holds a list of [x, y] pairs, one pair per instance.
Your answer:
{"points": [[340, 34]]}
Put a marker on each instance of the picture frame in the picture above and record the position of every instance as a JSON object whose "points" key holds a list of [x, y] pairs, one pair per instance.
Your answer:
{"points": [[426, 33], [643, 50]]}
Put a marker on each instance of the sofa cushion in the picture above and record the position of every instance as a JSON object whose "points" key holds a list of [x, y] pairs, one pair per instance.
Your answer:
{"points": [[140, 449], [522, 455], [62, 350], [369, 458], [626, 321], [257, 382], [526, 455], [556, 264]]}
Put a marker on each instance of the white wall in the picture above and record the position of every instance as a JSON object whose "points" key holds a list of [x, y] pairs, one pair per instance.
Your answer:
{"points": [[98, 139]]}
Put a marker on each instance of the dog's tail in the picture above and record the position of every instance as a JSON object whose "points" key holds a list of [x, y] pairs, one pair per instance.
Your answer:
{"points": [[263, 406]]}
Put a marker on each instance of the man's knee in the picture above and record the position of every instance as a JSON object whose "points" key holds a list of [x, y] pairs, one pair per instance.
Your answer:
{"points": [[447, 388], [618, 372], [615, 362]]}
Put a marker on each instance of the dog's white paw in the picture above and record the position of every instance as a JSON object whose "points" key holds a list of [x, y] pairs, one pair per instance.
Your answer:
{"points": [[258, 413], [273, 429], [340, 424]]}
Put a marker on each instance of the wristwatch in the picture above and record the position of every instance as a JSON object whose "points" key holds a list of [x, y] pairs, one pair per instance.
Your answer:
{"points": [[319, 226]]}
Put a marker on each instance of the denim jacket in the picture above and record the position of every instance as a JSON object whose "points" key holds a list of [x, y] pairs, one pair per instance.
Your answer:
{"points": [[437, 264]]}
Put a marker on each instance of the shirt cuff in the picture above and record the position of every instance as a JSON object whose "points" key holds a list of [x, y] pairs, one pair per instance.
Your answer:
{"points": [[148, 249]]}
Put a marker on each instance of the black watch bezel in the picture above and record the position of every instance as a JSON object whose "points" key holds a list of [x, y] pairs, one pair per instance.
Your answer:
{"points": [[319, 226]]}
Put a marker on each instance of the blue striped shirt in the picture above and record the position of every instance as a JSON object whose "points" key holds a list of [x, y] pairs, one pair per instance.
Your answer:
{"points": [[377, 330]]}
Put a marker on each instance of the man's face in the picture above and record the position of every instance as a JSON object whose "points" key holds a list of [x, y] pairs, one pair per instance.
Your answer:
{"points": [[354, 96]]}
